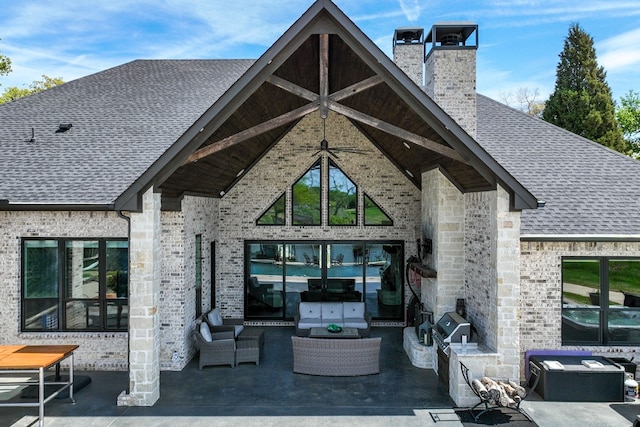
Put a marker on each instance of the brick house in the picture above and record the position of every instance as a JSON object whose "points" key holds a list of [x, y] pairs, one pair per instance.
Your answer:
{"points": [[137, 198]]}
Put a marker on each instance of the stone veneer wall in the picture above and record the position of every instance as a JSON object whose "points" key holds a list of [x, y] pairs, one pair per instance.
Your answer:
{"points": [[541, 293], [177, 286], [492, 261], [274, 174], [98, 350], [479, 265], [443, 222]]}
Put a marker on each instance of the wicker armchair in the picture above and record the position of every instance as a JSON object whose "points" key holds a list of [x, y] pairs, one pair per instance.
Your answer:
{"points": [[220, 351]]}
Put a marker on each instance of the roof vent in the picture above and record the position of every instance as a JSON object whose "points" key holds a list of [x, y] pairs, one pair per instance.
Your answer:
{"points": [[63, 127], [451, 40]]}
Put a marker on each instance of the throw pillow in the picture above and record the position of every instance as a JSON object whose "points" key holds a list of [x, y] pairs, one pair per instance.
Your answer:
{"points": [[205, 331], [214, 317]]}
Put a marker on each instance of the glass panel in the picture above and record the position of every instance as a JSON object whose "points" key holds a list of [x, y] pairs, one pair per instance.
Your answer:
{"points": [[373, 215], [306, 198], [40, 269], [82, 314], [581, 301], [117, 314], [82, 269], [624, 302], [117, 259], [41, 314], [304, 276], [388, 283], [343, 198], [117, 269], [344, 277], [265, 290], [275, 215]]}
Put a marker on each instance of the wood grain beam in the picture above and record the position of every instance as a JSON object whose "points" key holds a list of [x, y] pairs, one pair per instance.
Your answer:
{"points": [[324, 75], [293, 88], [396, 131], [251, 132], [356, 88]]}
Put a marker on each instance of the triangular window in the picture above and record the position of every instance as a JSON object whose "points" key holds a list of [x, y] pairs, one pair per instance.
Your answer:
{"points": [[343, 198], [275, 215], [373, 214], [306, 198]]}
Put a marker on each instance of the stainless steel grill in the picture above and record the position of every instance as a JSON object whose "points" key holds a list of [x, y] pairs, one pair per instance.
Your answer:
{"points": [[449, 329]]}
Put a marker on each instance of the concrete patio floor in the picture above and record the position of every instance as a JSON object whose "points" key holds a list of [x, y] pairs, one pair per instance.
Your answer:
{"points": [[271, 395]]}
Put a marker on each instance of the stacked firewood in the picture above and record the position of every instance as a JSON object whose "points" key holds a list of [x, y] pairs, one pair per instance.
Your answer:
{"points": [[499, 393]]}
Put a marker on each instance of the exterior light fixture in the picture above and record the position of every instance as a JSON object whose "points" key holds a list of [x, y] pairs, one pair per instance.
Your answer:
{"points": [[408, 172], [406, 145]]}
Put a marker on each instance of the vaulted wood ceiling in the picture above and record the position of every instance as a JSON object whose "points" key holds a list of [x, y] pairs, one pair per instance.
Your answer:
{"points": [[323, 74]]}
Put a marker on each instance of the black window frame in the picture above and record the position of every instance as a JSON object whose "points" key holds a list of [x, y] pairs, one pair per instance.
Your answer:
{"points": [[103, 302], [601, 300]]}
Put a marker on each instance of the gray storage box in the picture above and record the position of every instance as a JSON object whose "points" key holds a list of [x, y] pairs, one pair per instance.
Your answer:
{"points": [[575, 382]]}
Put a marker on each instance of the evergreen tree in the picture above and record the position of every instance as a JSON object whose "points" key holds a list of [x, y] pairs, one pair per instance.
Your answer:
{"points": [[582, 101]]}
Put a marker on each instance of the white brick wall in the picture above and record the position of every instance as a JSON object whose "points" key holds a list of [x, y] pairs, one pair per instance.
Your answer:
{"points": [[278, 170], [541, 293], [98, 350], [451, 82]]}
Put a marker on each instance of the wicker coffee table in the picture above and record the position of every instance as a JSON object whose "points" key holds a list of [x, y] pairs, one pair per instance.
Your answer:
{"points": [[324, 333]]}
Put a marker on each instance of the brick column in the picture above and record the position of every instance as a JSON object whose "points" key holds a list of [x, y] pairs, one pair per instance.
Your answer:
{"points": [[144, 330]]}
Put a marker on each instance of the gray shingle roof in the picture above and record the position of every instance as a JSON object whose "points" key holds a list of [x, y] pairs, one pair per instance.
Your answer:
{"points": [[123, 119], [588, 188]]}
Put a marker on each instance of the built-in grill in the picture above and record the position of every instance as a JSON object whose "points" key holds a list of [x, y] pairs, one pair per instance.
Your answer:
{"points": [[451, 328]]}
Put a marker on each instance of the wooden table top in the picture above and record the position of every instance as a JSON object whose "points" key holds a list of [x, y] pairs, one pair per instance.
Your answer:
{"points": [[33, 356]]}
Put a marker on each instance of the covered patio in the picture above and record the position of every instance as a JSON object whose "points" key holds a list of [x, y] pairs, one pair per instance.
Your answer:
{"points": [[270, 389]]}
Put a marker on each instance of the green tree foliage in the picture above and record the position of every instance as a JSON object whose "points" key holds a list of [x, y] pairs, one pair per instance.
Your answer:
{"points": [[581, 101], [628, 115], [5, 65], [13, 93]]}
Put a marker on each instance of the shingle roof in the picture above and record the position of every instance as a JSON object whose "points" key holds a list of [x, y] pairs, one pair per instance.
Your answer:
{"points": [[123, 119], [588, 188]]}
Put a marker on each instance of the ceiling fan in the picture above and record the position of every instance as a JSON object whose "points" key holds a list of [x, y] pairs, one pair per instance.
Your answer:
{"points": [[324, 146]]}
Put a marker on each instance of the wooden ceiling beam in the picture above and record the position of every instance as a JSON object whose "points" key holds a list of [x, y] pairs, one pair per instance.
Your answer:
{"points": [[396, 131], [293, 88], [356, 88], [251, 132], [324, 75]]}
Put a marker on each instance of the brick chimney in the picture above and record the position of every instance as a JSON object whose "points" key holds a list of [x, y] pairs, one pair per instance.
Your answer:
{"points": [[408, 52], [451, 70]]}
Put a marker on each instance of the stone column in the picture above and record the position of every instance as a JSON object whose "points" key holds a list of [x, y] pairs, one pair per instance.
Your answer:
{"points": [[144, 325], [507, 262]]}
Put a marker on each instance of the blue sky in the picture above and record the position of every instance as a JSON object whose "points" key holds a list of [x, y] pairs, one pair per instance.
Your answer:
{"points": [[519, 40]]}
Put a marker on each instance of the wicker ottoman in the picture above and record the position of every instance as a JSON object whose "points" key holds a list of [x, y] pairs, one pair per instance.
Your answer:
{"points": [[256, 334], [247, 351]]}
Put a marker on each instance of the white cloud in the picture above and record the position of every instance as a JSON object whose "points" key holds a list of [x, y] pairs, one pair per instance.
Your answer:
{"points": [[411, 9], [620, 52]]}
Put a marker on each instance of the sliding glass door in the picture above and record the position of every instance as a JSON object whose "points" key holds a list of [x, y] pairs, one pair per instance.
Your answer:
{"points": [[281, 274]]}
